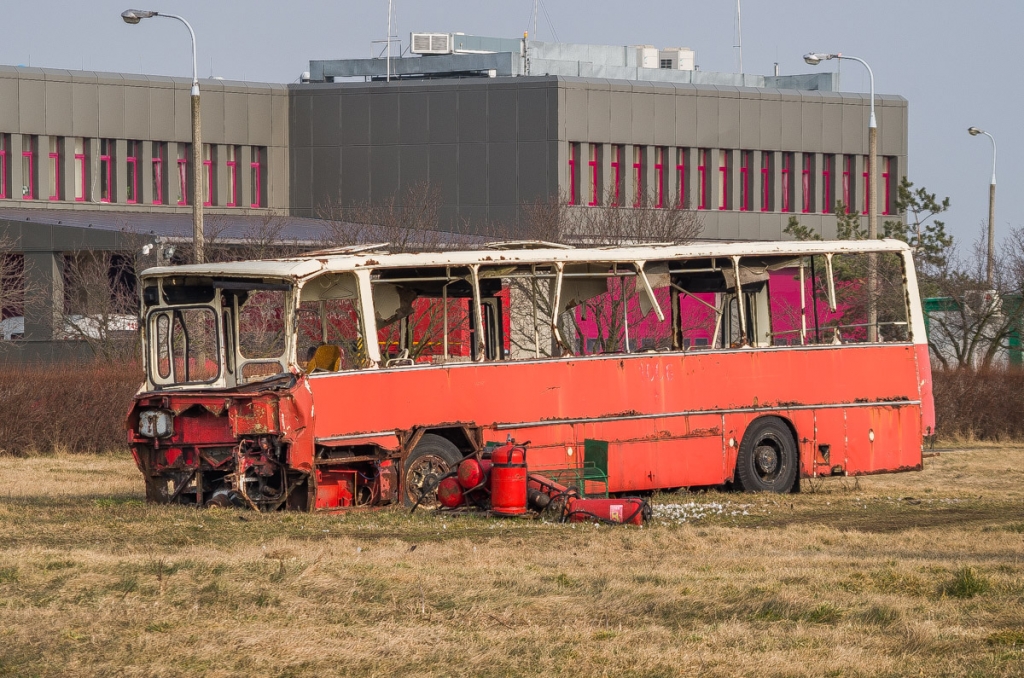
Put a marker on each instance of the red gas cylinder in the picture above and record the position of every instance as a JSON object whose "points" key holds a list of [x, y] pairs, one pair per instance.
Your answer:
{"points": [[508, 480], [626, 510], [449, 493], [473, 472]]}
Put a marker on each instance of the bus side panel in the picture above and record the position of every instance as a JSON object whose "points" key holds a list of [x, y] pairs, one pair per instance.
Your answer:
{"points": [[693, 451], [880, 439], [802, 422], [829, 440], [551, 447]]}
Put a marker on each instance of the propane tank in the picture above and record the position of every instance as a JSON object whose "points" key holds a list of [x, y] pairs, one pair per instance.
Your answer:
{"points": [[508, 480], [473, 472], [449, 493]]}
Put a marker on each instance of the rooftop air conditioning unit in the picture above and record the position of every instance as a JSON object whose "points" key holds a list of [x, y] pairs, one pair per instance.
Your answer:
{"points": [[430, 43]]}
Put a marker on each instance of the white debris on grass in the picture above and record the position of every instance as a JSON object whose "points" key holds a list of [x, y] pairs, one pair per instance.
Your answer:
{"points": [[692, 511]]}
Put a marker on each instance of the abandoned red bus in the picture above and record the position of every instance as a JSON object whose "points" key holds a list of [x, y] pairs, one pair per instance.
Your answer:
{"points": [[355, 377]]}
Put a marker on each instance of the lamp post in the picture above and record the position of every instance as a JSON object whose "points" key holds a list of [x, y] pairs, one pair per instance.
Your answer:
{"points": [[134, 16], [990, 269], [814, 59]]}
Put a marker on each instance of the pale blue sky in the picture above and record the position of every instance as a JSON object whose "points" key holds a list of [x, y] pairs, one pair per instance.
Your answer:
{"points": [[951, 59]]}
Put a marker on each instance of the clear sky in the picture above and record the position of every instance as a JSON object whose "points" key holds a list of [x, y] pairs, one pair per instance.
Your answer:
{"points": [[951, 59]]}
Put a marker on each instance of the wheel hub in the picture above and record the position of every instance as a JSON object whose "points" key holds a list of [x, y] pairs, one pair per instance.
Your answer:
{"points": [[767, 459]]}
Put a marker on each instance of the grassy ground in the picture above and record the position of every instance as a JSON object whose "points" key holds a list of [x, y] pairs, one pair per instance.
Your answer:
{"points": [[918, 573]]}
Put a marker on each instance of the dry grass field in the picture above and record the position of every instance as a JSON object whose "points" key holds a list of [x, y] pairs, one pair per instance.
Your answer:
{"points": [[911, 574]]}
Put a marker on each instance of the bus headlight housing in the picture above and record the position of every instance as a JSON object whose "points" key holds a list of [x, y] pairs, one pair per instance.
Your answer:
{"points": [[156, 424]]}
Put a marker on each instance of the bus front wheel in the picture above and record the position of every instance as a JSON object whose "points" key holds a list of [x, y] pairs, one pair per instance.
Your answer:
{"points": [[433, 457], [767, 461]]}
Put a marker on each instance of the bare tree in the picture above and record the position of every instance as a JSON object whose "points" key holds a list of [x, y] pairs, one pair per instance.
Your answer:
{"points": [[101, 302], [972, 325], [407, 221], [554, 220]]}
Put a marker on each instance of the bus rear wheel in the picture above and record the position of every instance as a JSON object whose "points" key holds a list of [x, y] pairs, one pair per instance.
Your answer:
{"points": [[432, 458], [767, 460]]}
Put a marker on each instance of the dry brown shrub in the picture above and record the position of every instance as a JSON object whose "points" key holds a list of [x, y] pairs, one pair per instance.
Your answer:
{"points": [[979, 405], [68, 407]]}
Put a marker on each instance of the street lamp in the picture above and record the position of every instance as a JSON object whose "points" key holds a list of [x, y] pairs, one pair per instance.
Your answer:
{"points": [[974, 131], [134, 16], [815, 58]]}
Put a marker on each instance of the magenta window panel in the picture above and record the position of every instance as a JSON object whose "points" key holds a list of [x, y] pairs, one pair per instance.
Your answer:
{"points": [[826, 181], [681, 180], [257, 178], [847, 173], [28, 159], [806, 184], [766, 176], [208, 174], [886, 185], [787, 160], [183, 180], [702, 174], [55, 164], [572, 174], [617, 175], [659, 171], [744, 181]]}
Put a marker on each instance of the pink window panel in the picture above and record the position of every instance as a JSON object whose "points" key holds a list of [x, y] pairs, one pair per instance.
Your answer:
{"points": [[572, 173], [28, 160], [183, 181], [886, 186], [106, 171], [232, 166], [805, 180], [80, 167], [132, 168], [208, 174], [744, 181], [55, 165], [702, 175], [617, 175], [787, 160], [3, 166], [638, 176], [847, 173], [257, 178], [681, 180], [766, 177], [826, 183], [867, 186], [595, 188], [158, 176], [659, 172], [723, 174]]}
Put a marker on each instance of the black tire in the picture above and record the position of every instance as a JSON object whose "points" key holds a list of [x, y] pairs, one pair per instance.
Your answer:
{"points": [[433, 457], [768, 459]]}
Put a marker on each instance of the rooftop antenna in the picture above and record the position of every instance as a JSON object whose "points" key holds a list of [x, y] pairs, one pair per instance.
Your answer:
{"points": [[739, 35], [390, 3], [536, 4]]}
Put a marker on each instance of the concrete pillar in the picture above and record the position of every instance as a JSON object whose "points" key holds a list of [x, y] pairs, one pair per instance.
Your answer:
{"points": [[67, 169], [14, 167], [146, 172], [118, 185], [44, 307]]}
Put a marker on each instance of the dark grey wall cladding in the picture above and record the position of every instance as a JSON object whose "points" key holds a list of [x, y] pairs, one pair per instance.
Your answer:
{"points": [[486, 145]]}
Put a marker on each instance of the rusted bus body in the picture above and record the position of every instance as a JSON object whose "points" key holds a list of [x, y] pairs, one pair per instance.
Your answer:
{"points": [[225, 419]]}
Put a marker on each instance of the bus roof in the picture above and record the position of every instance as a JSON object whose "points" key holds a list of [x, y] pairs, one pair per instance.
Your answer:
{"points": [[307, 266]]}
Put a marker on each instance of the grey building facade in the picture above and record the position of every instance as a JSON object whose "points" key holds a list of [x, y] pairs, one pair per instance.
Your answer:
{"points": [[86, 158]]}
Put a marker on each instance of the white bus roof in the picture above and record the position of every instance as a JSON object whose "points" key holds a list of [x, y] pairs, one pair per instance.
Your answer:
{"points": [[307, 266]]}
